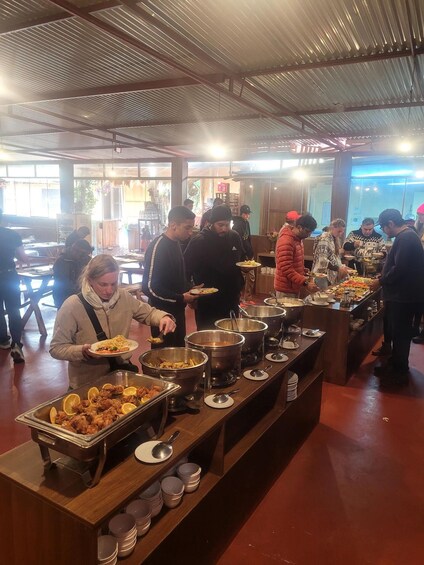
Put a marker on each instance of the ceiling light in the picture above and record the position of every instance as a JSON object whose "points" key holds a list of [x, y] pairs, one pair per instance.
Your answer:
{"points": [[375, 189], [405, 146], [367, 189], [357, 188], [4, 155], [300, 174], [250, 185], [217, 151], [419, 174]]}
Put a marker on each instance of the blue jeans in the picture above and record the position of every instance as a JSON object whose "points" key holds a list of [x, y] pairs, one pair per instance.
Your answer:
{"points": [[10, 304]]}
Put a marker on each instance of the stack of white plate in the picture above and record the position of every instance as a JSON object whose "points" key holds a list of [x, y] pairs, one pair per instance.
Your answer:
{"points": [[107, 550], [153, 495], [292, 386], [123, 527], [189, 473]]}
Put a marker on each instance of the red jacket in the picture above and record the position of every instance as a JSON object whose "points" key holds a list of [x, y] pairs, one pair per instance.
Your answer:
{"points": [[290, 268]]}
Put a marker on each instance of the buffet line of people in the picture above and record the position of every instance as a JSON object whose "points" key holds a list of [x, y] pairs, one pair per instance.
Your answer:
{"points": [[203, 272]]}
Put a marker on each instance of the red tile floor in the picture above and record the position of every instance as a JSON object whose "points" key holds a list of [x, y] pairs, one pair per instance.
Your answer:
{"points": [[352, 495]]}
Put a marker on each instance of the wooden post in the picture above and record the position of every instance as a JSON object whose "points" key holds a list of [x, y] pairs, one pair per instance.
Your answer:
{"points": [[341, 186]]}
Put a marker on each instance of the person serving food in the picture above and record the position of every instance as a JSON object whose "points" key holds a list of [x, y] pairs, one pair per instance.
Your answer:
{"points": [[74, 332]]}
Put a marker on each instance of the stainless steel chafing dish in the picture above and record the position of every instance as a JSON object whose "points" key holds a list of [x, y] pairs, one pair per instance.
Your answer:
{"points": [[89, 448]]}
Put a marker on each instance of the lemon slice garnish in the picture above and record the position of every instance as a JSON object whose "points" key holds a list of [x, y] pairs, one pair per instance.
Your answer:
{"points": [[128, 407], [69, 402]]}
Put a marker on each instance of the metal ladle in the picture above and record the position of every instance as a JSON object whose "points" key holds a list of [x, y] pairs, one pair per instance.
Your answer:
{"points": [[243, 311], [260, 372], [222, 397], [278, 356], [163, 449]]}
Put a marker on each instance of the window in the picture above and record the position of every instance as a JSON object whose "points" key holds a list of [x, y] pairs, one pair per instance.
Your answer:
{"points": [[32, 197]]}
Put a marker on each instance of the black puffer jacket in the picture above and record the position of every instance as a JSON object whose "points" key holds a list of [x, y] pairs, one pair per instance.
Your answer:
{"points": [[242, 227], [211, 259]]}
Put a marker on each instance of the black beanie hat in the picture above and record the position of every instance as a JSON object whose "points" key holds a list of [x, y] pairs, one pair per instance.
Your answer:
{"points": [[221, 214]]}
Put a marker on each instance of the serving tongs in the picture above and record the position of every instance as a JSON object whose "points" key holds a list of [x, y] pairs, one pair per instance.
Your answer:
{"points": [[234, 323]]}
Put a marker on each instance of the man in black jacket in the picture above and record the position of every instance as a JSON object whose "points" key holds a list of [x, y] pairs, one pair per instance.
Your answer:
{"points": [[164, 280], [403, 283], [67, 270], [211, 258], [242, 227]]}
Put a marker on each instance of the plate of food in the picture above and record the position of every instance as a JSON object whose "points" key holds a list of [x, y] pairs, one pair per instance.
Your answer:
{"points": [[349, 257], [203, 291], [113, 347], [248, 264]]}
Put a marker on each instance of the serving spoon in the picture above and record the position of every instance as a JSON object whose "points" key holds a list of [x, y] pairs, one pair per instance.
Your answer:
{"points": [[221, 397], [260, 372], [163, 449]]}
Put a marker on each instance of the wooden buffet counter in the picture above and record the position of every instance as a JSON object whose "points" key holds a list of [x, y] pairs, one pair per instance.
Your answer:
{"points": [[344, 349], [49, 517]]}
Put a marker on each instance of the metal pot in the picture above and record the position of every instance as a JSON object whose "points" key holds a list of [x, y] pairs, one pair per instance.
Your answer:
{"points": [[270, 315], [293, 306], [222, 347], [187, 378], [253, 331]]}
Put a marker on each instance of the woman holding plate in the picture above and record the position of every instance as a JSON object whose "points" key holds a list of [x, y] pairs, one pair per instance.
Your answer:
{"points": [[114, 308]]}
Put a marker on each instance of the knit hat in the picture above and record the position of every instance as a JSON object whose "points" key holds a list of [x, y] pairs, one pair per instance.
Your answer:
{"points": [[420, 209], [292, 216], [221, 214]]}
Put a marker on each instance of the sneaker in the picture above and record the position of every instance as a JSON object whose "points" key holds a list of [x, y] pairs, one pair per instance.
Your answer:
{"points": [[5, 344], [384, 349], [418, 339], [17, 355]]}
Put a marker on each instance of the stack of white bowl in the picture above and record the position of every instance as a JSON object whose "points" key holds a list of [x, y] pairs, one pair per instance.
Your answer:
{"points": [[189, 473], [140, 509], [107, 550], [292, 386], [123, 527], [172, 491], [153, 495]]}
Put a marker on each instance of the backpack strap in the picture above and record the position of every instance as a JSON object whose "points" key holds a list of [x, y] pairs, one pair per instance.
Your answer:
{"points": [[93, 318]]}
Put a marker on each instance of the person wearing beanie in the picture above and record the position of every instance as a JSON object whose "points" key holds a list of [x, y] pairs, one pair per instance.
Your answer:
{"points": [[290, 275], [164, 280], [206, 218], [291, 218], [67, 270], [211, 258], [242, 227], [419, 224], [402, 281]]}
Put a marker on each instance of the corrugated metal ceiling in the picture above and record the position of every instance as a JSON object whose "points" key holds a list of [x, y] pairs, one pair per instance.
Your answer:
{"points": [[179, 73]]}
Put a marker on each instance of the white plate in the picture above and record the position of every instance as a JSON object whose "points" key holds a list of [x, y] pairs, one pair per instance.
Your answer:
{"points": [[319, 303], [144, 453], [244, 266], [201, 291], [209, 401], [250, 377], [269, 357], [316, 334], [133, 346], [286, 346]]}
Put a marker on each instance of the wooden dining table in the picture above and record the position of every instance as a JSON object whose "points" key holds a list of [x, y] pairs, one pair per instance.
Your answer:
{"points": [[42, 274], [46, 248]]}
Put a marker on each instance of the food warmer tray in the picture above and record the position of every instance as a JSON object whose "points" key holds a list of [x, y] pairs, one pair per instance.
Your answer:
{"points": [[95, 446]]}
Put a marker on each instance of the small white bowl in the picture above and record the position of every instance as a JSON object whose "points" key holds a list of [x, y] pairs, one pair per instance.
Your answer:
{"points": [[191, 487], [140, 509], [172, 502], [172, 486], [128, 551], [142, 530], [107, 547], [151, 493], [127, 543], [189, 470], [121, 525]]}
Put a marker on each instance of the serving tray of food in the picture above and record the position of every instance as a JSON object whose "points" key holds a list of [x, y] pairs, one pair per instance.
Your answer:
{"points": [[87, 422], [359, 287]]}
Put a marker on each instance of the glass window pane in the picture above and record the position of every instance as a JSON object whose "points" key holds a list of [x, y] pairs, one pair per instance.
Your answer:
{"points": [[3, 170], [158, 170], [205, 169], [47, 171], [21, 171], [88, 170], [121, 170]]}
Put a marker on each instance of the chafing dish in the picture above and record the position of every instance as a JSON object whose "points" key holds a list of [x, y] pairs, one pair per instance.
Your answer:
{"points": [[95, 446]]}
